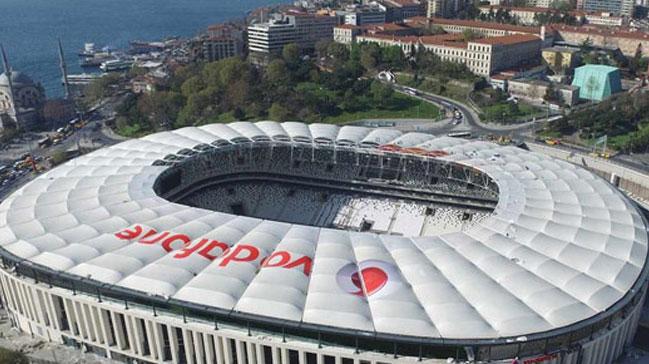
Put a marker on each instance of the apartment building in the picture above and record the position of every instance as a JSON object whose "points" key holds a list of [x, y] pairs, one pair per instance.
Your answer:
{"points": [[398, 10], [364, 14], [444, 8], [614, 7], [220, 41], [302, 29]]}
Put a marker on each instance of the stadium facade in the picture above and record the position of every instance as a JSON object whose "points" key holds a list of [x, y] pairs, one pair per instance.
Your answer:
{"points": [[108, 253]]}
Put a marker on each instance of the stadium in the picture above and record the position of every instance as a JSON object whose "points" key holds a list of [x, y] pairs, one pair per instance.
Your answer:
{"points": [[292, 243]]}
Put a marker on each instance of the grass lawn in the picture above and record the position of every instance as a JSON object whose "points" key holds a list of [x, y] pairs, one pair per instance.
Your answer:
{"points": [[403, 107], [435, 87], [508, 113]]}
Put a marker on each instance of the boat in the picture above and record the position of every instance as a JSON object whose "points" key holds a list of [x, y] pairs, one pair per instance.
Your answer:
{"points": [[83, 78], [116, 65], [88, 50]]}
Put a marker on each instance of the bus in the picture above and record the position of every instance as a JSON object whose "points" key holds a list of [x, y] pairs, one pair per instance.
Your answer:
{"points": [[460, 134]]}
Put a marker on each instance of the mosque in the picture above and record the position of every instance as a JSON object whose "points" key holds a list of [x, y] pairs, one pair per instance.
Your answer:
{"points": [[21, 99]]}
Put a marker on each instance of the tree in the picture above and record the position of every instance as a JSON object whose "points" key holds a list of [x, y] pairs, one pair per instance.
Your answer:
{"points": [[339, 52], [291, 55], [469, 35], [277, 112], [393, 57], [381, 93], [370, 55]]}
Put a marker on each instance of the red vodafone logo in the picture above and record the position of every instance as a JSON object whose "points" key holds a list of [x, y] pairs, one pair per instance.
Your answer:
{"points": [[368, 278]]}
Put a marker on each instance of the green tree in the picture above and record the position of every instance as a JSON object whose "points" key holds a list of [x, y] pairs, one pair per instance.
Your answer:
{"points": [[370, 55], [469, 35], [277, 112], [291, 55]]}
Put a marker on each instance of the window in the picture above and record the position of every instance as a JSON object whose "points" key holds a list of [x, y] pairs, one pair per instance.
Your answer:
{"points": [[293, 357]]}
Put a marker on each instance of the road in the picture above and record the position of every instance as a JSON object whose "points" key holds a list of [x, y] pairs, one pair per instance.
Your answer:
{"points": [[92, 136], [470, 119], [472, 123]]}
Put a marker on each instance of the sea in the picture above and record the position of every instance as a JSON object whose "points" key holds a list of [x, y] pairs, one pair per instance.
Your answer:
{"points": [[29, 29]]}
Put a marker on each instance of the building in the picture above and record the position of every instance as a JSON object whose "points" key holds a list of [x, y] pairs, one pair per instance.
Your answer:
{"points": [[21, 99], [104, 253], [561, 60], [444, 8], [483, 28], [398, 10], [613, 7], [482, 56], [597, 82], [363, 15], [272, 36], [303, 29], [534, 90], [627, 40], [527, 15], [219, 42], [346, 34]]}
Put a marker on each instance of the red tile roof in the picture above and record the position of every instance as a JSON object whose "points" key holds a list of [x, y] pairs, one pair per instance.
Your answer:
{"points": [[447, 40], [421, 21], [508, 39]]}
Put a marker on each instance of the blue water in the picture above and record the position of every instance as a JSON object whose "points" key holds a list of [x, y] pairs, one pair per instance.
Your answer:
{"points": [[29, 28]]}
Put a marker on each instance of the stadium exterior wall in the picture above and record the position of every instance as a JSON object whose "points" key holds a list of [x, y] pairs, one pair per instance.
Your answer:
{"points": [[123, 331]]}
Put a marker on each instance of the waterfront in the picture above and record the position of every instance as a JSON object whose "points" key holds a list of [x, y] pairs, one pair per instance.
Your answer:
{"points": [[29, 28]]}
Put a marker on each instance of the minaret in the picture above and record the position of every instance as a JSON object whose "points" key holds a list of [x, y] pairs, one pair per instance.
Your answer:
{"points": [[7, 68], [64, 71]]}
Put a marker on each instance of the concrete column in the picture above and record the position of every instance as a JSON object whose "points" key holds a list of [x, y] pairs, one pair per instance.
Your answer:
{"points": [[87, 317], [96, 324], [219, 351], [72, 317], [23, 301], [52, 311], [119, 329], [189, 346], [158, 339], [9, 300], [277, 357], [285, 358], [227, 351], [132, 337], [301, 357], [173, 342], [151, 342], [339, 359], [41, 311], [104, 319], [55, 310], [208, 344], [198, 347], [259, 350], [78, 315], [320, 358], [238, 344], [251, 352]]}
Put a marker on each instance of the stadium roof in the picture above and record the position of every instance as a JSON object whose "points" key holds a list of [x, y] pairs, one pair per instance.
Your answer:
{"points": [[562, 245]]}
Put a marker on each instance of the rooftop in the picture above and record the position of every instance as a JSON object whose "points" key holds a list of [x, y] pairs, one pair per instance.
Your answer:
{"points": [[448, 40], [423, 21], [618, 32], [508, 39]]}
